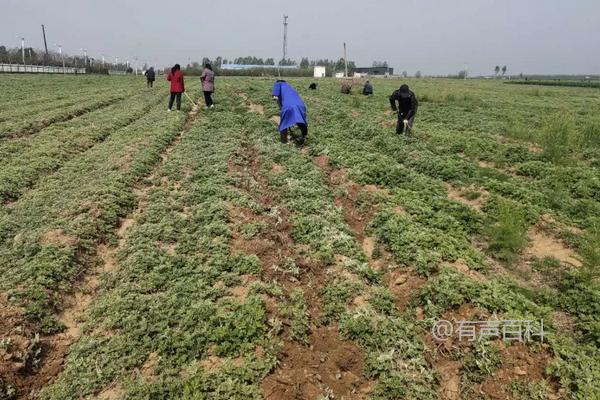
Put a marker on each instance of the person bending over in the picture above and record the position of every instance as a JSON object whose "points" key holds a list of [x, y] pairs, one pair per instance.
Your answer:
{"points": [[368, 89], [404, 102], [150, 77], [293, 111]]}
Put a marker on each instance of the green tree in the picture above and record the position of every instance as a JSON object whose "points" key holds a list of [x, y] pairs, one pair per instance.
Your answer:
{"points": [[497, 70], [304, 63], [504, 70], [380, 64], [3, 54]]}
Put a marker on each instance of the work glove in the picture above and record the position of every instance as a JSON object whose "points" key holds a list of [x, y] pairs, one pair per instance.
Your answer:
{"points": [[405, 121]]}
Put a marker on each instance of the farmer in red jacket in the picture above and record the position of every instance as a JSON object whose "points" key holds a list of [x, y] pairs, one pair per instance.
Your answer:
{"points": [[177, 86]]}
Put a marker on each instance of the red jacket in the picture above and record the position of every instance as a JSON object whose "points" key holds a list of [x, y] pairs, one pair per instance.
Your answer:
{"points": [[176, 80]]}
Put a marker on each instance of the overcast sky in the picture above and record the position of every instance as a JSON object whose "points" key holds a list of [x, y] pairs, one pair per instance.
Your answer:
{"points": [[434, 36]]}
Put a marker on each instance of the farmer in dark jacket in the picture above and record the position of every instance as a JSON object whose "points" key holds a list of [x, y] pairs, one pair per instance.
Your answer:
{"points": [[177, 86], [368, 89], [150, 76], [404, 102]]}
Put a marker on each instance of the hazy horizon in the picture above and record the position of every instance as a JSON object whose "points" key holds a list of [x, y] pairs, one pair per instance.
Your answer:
{"points": [[433, 36]]}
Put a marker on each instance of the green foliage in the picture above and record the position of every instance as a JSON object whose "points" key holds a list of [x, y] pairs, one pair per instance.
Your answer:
{"points": [[481, 362], [383, 301], [335, 297], [7, 392], [590, 252], [297, 311], [559, 138], [172, 296], [576, 367], [508, 233], [529, 391], [563, 83], [395, 354]]}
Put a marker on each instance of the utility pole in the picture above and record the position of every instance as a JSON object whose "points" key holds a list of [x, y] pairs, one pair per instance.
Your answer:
{"points": [[45, 43], [85, 59], [22, 47], [61, 56], [285, 26], [345, 61]]}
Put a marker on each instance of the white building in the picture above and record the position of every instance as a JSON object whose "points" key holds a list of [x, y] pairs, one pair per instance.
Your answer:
{"points": [[319, 72]]}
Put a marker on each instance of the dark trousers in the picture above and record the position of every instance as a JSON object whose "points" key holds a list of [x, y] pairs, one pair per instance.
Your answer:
{"points": [[400, 125], [150, 83], [175, 96], [303, 130], [208, 98]]}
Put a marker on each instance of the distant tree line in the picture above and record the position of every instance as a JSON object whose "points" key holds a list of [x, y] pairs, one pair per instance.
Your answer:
{"points": [[54, 58], [497, 70], [305, 65]]}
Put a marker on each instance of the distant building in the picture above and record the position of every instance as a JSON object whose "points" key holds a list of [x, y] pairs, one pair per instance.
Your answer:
{"points": [[372, 71], [320, 72], [248, 66]]}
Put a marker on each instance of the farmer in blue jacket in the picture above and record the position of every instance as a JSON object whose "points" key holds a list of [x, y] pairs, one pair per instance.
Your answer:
{"points": [[293, 110]]}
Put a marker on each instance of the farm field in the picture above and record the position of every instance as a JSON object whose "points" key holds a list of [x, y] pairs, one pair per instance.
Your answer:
{"points": [[154, 255]]}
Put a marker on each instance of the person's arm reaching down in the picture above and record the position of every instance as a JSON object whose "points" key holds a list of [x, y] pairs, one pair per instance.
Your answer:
{"points": [[393, 99], [413, 106]]}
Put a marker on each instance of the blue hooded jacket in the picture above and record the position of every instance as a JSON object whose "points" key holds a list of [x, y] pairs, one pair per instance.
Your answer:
{"points": [[293, 110]]}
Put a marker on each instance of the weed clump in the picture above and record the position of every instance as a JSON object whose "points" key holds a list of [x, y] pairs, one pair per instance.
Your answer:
{"points": [[508, 235], [559, 139]]}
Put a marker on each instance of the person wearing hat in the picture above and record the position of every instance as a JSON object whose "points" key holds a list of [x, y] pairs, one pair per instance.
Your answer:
{"points": [[404, 102]]}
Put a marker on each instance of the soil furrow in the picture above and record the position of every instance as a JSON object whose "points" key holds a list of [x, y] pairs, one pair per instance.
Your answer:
{"points": [[314, 360], [50, 351]]}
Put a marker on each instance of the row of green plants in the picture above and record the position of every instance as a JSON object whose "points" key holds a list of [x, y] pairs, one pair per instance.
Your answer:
{"points": [[49, 99], [27, 159], [34, 102], [434, 229], [176, 306], [394, 356], [49, 235], [563, 83], [170, 303]]}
